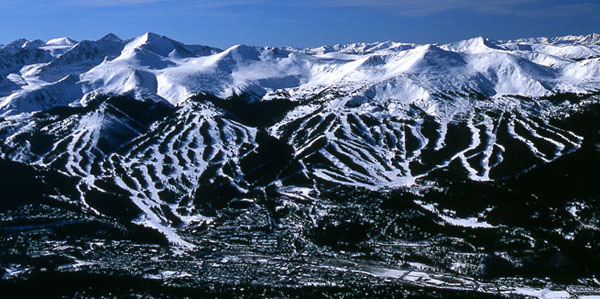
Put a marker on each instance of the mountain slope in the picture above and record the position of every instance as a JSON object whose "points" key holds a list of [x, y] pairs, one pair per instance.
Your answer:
{"points": [[462, 167], [161, 68], [184, 131]]}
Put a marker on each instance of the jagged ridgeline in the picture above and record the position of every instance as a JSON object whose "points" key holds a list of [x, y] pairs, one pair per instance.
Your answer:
{"points": [[168, 135]]}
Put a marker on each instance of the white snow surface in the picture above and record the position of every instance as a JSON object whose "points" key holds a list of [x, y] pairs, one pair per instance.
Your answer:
{"points": [[61, 71], [369, 115]]}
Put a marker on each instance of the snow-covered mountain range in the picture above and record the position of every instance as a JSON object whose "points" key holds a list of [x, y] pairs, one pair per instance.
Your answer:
{"points": [[180, 129], [37, 75]]}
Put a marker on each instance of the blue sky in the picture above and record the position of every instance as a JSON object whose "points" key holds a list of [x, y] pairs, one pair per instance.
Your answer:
{"points": [[298, 23]]}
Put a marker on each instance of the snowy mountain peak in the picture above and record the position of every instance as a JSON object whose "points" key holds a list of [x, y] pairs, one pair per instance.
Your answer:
{"points": [[360, 48], [589, 39], [62, 41], [242, 53], [33, 43], [474, 45], [158, 44], [24, 43], [16, 43], [111, 37]]}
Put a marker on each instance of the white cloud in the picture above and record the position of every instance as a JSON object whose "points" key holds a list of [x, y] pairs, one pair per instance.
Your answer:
{"points": [[109, 2], [528, 8], [498, 7], [172, 3]]}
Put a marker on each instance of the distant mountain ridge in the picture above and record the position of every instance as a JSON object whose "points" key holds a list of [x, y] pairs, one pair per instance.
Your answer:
{"points": [[156, 67], [588, 39]]}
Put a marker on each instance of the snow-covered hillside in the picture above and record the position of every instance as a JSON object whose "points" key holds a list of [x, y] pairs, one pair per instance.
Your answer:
{"points": [[180, 130], [34, 74]]}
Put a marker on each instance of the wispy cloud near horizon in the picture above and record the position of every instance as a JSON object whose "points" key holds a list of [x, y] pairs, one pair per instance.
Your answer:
{"points": [[414, 8], [174, 3], [491, 7], [108, 2]]}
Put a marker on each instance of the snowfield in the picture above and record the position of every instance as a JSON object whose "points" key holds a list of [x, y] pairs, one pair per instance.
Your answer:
{"points": [[168, 123], [37, 75]]}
